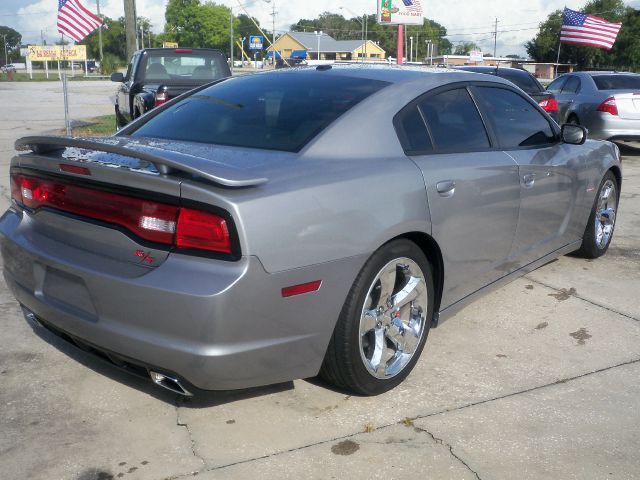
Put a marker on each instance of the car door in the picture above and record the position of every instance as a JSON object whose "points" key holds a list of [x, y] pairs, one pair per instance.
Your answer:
{"points": [[567, 97], [473, 190], [124, 92], [548, 172]]}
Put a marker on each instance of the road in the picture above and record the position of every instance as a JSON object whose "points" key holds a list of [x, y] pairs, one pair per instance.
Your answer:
{"points": [[537, 380]]}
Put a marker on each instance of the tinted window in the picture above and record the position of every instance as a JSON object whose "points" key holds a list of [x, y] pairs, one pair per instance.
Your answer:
{"points": [[557, 85], [280, 111], [413, 132], [184, 67], [572, 85], [127, 76], [617, 82], [515, 121], [522, 79], [454, 121]]}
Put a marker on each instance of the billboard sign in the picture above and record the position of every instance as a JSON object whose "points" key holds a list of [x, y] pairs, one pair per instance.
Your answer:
{"points": [[400, 12], [255, 42], [40, 53], [476, 56]]}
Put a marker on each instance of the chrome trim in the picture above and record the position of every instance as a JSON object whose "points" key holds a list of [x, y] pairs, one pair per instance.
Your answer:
{"points": [[169, 383]]}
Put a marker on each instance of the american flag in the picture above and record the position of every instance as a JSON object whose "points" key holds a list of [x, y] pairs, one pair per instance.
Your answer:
{"points": [[583, 29], [75, 21]]}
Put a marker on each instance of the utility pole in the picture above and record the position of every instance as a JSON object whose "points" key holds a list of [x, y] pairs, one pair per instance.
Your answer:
{"points": [[231, 39], [273, 32], [99, 31], [495, 39], [130, 27]]}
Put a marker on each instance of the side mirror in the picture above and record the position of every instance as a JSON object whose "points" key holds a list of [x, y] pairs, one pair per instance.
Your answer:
{"points": [[117, 77], [573, 134]]}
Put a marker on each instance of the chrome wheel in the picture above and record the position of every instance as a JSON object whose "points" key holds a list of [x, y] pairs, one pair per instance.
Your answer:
{"points": [[393, 318], [605, 215]]}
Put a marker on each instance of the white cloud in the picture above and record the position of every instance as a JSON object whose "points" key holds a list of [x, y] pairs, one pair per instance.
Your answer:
{"points": [[465, 21]]}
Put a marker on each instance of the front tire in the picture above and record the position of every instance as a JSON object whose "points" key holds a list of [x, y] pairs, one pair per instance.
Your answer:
{"points": [[599, 231], [384, 322]]}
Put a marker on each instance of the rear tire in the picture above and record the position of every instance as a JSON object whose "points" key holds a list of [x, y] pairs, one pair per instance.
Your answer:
{"points": [[600, 226], [384, 322]]}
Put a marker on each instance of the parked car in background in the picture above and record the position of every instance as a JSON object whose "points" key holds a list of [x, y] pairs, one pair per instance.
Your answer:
{"points": [[312, 220], [156, 75], [526, 81], [9, 67], [291, 62], [606, 103]]}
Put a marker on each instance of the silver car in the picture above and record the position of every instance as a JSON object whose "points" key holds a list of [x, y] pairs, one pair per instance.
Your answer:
{"points": [[317, 220], [606, 103]]}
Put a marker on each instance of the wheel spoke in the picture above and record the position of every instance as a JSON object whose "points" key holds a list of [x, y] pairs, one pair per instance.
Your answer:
{"points": [[378, 349], [387, 283], [413, 288], [398, 363], [368, 321]]}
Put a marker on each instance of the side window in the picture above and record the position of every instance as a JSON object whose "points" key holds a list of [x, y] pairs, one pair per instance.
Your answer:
{"points": [[454, 121], [412, 132], [572, 85], [515, 121], [129, 73], [557, 85]]}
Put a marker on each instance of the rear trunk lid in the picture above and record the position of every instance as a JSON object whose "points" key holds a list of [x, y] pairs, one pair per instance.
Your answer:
{"points": [[85, 183], [628, 104]]}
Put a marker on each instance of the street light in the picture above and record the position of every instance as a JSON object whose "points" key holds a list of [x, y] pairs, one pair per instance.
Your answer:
{"points": [[318, 34]]}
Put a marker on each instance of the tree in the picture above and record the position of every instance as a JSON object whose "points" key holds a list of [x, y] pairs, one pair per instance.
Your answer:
{"points": [[341, 28], [191, 23], [464, 48], [625, 53], [113, 40], [13, 40]]}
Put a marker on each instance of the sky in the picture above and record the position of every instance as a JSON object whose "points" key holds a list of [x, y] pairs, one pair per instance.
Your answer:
{"points": [[466, 21]]}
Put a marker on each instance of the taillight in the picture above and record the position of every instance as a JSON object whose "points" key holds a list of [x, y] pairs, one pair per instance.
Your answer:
{"points": [[609, 106], [161, 97], [150, 220], [549, 104], [202, 230]]}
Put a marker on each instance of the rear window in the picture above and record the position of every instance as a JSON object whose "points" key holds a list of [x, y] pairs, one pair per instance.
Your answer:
{"points": [[177, 67], [522, 79], [617, 82], [279, 111]]}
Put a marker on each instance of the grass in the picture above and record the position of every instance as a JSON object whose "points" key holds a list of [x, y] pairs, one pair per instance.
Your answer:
{"points": [[100, 127], [39, 76]]}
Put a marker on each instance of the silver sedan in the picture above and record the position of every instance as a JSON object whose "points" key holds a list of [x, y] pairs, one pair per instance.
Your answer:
{"points": [[606, 103], [316, 220]]}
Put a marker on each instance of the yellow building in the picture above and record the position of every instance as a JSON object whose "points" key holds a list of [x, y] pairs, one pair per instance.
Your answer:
{"points": [[308, 44]]}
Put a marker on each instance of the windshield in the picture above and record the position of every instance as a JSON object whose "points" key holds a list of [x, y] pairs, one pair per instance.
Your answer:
{"points": [[617, 82], [277, 111], [184, 67]]}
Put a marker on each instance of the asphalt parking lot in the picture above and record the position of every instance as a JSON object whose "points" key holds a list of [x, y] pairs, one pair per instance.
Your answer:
{"points": [[537, 380]]}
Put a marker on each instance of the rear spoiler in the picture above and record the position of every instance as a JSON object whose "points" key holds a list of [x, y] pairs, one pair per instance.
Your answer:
{"points": [[165, 161]]}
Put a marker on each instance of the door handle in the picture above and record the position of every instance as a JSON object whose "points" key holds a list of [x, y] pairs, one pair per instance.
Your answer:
{"points": [[529, 179], [446, 188]]}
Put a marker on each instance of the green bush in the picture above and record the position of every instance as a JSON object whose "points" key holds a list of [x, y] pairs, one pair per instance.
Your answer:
{"points": [[110, 63]]}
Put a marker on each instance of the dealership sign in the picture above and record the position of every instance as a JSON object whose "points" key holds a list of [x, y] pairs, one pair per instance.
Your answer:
{"points": [[40, 53], [400, 12], [255, 42]]}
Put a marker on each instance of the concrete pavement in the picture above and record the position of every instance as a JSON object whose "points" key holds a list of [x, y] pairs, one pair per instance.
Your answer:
{"points": [[537, 380]]}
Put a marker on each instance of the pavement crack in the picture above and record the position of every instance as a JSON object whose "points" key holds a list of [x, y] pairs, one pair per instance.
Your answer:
{"points": [[405, 421], [440, 441], [576, 295], [180, 423]]}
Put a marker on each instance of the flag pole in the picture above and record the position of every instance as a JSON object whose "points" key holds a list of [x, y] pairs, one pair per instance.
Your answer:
{"points": [[559, 42]]}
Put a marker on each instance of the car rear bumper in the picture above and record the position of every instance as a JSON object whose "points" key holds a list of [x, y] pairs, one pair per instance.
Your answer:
{"points": [[604, 126], [218, 325]]}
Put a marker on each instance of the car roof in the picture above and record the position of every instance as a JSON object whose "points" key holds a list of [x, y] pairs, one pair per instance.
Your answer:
{"points": [[394, 74], [489, 68]]}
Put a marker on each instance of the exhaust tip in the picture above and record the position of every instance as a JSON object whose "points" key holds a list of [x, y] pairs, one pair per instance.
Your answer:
{"points": [[169, 383]]}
